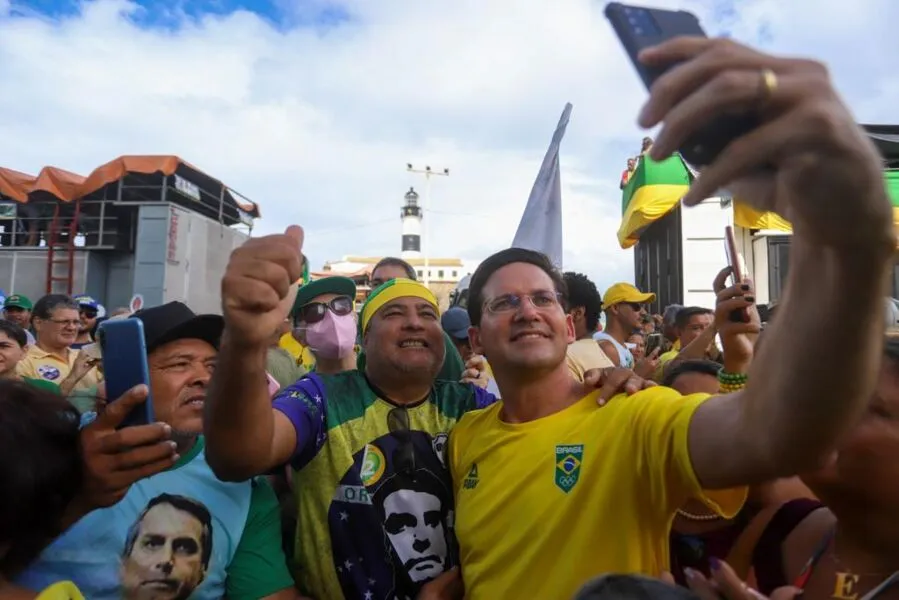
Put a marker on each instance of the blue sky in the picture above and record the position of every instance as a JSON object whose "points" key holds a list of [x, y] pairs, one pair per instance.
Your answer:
{"points": [[164, 14], [313, 108]]}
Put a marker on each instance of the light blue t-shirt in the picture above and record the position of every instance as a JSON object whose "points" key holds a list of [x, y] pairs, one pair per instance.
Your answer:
{"points": [[172, 535], [625, 358]]}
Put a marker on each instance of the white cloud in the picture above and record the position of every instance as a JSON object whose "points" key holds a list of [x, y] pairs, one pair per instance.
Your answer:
{"points": [[317, 125]]}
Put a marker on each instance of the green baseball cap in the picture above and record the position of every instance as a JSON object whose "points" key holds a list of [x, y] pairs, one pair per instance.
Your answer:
{"points": [[342, 286], [18, 301]]}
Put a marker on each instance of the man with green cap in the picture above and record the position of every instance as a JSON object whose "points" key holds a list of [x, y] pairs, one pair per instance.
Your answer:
{"points": [[17, 309]]}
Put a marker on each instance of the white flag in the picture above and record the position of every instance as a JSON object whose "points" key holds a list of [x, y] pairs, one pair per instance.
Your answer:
{"points": [[541, 224]]}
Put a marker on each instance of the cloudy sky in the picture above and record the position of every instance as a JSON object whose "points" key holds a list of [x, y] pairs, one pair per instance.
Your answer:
{"points": [[312, 108]]}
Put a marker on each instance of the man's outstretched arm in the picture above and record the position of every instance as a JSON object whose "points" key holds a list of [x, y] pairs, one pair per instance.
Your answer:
{"points": [[808, 160], [802, 394], [244, 435]]}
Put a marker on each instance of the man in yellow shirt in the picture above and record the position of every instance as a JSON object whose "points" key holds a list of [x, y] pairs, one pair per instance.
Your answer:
{"points": [[691, 323], [56, 320], [550, 489]]}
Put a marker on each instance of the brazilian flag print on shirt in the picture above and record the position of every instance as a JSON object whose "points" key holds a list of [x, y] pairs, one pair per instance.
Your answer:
{"points": [[375, 506]]}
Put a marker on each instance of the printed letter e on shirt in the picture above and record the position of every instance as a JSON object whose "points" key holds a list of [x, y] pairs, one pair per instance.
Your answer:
{"points": [[568, 466]]}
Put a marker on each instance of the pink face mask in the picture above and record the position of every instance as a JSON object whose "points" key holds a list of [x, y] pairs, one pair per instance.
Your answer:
{"points": [[332, 337]]}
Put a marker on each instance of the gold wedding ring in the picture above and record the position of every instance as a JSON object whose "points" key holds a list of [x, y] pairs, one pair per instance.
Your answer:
{"points": [[767, 86]]}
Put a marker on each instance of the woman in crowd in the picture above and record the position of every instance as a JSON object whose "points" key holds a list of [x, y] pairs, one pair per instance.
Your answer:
{"points": [[41, 471], [637, 345], [847, 547]]}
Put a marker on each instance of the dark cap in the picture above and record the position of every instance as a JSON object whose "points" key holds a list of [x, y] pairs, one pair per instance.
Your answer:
{"points": [[456, 322], [175, 321], [85, 300]]}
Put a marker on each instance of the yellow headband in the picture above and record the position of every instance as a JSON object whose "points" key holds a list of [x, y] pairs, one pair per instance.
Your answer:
{"points": [[393, 289]]}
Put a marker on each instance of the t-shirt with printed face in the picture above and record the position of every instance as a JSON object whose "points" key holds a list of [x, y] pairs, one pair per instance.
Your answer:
{"points": [[181, 533], [375, 505]]}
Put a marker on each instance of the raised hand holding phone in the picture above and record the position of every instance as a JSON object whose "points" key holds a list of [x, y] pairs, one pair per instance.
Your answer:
{"points": [[803, 158], [735, 264], [115, 458]]}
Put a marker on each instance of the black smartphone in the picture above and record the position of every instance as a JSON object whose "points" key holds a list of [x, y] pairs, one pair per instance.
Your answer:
{"points": [[639, 28], [653, 341]]}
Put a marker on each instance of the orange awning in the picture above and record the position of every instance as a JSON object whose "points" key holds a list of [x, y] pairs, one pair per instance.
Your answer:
{"points": [[67, 186]]}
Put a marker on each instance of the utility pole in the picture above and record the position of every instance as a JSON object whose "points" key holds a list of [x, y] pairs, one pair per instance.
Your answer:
{"points": [[427, 172]]}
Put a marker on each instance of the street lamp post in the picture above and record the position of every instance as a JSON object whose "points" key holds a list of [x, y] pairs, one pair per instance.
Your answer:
{"points": [[427, 172]]}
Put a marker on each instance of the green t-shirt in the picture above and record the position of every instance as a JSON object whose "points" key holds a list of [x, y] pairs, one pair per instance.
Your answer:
{"points": [[282, 366], [42, 384], [259, 567]]}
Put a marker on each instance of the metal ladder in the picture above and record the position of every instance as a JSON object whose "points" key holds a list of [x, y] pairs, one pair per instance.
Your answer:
{"points": [[60, 269]]}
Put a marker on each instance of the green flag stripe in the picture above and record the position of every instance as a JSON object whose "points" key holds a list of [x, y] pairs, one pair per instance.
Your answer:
{"points": [[670, 171], [892, 180]]}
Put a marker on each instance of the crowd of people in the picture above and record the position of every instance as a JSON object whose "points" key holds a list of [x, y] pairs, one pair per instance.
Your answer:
{"points": [[305, 446]]}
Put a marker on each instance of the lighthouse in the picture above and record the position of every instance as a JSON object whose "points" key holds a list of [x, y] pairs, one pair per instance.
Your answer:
{"points": [[411, 215]]}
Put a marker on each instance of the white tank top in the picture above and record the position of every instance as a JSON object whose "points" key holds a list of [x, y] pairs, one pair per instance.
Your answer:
{"points": [[625, 358]]}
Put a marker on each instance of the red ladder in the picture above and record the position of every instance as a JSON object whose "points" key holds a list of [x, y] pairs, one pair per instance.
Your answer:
{"points": [[56, 278]]}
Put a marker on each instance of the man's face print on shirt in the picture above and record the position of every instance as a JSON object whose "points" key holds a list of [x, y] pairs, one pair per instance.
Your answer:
{"points": [[167, 551], [391, 527], [414, 524]]}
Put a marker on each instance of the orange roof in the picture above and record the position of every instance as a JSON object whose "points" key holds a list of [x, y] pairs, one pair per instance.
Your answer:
{"points": [[67, 186], [13, 182]]}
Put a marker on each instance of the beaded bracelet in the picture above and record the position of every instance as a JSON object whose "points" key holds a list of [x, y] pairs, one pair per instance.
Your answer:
{"points": [[731, 382]]}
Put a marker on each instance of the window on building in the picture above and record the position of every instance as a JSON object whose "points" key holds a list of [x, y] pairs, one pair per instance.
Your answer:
{"points": [[420, 275], [455, 274], [440, 274]]}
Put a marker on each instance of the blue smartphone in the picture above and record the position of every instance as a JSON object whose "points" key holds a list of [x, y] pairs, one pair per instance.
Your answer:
{"points": [[124, 350], [639, 28]]}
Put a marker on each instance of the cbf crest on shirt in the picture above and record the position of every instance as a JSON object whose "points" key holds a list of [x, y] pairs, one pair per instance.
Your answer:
{"points": [[568, 465], [375, 502]]}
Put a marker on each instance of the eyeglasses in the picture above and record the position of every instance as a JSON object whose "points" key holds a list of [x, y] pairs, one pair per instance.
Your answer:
{"points": [[89, 313], [315, 311], [398, 425], [64, 322], [544, 300], [635, 306]]}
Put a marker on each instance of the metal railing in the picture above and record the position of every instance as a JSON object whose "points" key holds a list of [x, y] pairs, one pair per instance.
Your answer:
{"points": [[25, 226]]}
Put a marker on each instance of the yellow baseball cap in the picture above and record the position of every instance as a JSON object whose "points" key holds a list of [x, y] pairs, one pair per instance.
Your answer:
{"points": [[625, 292]]}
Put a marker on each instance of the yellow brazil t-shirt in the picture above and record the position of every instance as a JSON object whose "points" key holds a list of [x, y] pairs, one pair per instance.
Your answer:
{"points": [[664, 360], [302, 354], [602, 484]]}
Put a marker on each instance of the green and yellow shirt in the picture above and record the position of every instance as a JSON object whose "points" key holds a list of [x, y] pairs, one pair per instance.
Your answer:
{"points": [[375, 504]]}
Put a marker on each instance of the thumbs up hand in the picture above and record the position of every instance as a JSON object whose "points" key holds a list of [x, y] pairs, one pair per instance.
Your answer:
{"points": [[259, 286]]}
